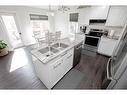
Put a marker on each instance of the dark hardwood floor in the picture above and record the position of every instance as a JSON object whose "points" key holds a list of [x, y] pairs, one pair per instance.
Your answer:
{"points": [[94, 68], [14, 75], [17, 72]]}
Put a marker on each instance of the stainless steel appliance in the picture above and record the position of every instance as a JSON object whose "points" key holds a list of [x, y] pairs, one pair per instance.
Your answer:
{"points": [[92, 39], [97, 21], [117, 65], [116, 68], [77, 54]]}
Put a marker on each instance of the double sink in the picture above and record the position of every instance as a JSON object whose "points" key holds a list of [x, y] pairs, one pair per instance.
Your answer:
{"points": [[53, 49]]}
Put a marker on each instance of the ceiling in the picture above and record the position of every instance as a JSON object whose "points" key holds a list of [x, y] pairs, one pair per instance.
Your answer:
{"points": [[54, 8]]}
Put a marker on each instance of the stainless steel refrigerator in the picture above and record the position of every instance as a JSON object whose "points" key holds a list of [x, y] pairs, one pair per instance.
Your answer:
{"points": [[117, 64]]}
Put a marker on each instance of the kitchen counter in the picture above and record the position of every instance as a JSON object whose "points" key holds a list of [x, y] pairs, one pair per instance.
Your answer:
{"points": [[71, 41], [112, 38], [51, 69], [118, 30]]}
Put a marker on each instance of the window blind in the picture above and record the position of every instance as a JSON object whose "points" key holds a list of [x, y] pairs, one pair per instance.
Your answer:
{"points": [[38, 17], [74, 17]]}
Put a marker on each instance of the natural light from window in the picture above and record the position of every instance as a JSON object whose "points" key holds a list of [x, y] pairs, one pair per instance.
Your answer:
{"points": [[19, 59], [73, 29], [11, 28], [39, 27]]}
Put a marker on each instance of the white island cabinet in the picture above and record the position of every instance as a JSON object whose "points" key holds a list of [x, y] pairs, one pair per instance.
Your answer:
{"points": [[50, 73]]}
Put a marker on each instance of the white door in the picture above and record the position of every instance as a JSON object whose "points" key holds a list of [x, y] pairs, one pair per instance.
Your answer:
{"points": [[9, 24]]}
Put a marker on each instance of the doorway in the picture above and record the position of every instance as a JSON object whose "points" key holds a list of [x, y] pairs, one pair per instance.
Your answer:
{"points": [[12, 31]]}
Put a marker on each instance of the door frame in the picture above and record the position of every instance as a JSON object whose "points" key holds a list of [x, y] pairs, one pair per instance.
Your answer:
{"points": [[17, 26]]}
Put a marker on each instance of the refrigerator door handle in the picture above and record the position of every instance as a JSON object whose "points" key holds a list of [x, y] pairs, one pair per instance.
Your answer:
{"points": [[109, 74]]}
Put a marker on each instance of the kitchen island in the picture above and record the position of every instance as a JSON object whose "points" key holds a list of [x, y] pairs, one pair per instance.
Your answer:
{"points": [[52, 66]]}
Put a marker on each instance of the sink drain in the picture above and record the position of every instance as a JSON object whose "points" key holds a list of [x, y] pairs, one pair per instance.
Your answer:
{"points": [[47, 55]]}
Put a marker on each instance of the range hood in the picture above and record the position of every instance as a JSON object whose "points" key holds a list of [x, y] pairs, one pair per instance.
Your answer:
{"points": [[97, 21]]}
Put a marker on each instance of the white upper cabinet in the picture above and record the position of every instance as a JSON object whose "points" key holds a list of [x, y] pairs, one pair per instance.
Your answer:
{"points": [[99, 12], [117, 16], [94, 12], [84, 16]]}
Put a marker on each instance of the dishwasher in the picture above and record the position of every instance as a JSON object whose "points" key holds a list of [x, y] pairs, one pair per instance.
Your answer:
{"points": [[77, 54]]}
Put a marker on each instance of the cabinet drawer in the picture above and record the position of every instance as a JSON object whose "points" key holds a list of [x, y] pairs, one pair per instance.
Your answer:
{"points": [[60, 67], [67, 63]]}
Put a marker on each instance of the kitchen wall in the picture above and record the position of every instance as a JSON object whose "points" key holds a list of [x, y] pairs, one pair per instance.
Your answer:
{"points": [[94, 12], [62, 23], [23, 20]]}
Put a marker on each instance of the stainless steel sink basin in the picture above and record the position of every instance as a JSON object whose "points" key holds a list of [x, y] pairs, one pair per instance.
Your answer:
{"points": [[60, 46], [48, 52], [55, 48]]}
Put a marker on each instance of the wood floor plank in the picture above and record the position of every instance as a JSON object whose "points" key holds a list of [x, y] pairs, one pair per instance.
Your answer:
{"points": [[25, 76]]}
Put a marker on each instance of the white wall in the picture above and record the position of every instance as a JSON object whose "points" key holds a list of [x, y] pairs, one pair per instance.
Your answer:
{"points": [[62, 23], [23, 20]]}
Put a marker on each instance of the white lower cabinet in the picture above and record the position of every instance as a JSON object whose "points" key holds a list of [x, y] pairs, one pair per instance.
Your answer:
{"points": [[68, 61], [56, 71], [107, 46], [50, 73]]}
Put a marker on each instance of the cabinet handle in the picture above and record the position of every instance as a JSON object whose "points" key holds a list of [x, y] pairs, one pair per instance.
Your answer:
{"points": [[64, 54], [56, 65]]}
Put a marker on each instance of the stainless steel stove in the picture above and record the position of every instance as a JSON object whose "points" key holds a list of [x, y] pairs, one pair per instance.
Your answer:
{"points": [[92, 39]]}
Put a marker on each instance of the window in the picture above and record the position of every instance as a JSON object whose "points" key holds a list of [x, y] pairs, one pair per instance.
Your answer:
{"points": [[39, 27], [73, 26], [39, 24]]}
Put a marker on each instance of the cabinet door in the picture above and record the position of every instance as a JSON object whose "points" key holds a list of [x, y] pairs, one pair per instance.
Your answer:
{"points": [[99, 12], [117, 16], [60, 67], [56, 70], [68, 61]]}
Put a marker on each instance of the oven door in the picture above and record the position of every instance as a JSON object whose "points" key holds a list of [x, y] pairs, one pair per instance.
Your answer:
{"points": [[92, 41]]}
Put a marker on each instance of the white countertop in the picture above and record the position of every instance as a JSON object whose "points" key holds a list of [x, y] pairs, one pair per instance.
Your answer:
{"points": [[118, 30], [71, 41], [111, 38]]}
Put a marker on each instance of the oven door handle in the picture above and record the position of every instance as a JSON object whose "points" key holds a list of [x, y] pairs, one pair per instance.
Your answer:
{"points": [[109, 74], [93, 36]]}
